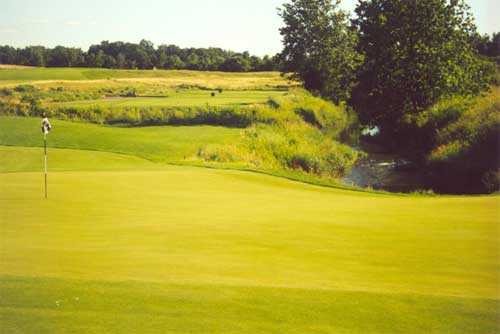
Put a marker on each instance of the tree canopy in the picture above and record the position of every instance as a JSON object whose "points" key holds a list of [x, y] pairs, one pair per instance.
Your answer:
{"points": [[319, 47], [416, 52]]}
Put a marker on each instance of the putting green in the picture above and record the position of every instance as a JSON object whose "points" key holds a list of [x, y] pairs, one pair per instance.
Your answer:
{"points": [[190, 250], [16, 159]]}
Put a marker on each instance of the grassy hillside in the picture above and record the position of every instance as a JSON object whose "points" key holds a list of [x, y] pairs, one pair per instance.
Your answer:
{"points": [[184, 249]]}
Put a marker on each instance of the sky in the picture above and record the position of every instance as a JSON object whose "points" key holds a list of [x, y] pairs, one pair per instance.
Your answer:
{"points": [[238, 25]]}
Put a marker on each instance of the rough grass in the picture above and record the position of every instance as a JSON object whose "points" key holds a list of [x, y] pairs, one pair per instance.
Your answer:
{"points": [[168, 78], [185, 249]]}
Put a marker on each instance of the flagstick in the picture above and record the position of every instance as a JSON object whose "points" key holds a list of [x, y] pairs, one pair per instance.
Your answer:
{"points": [[45, 150]]}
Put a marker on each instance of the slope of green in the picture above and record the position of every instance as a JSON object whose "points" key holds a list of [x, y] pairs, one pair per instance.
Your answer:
{"points": [[24, 159], [165, 143], [189, 250]]}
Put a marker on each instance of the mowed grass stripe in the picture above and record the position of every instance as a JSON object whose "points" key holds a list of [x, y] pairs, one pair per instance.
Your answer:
{"points": [[57, 305]]}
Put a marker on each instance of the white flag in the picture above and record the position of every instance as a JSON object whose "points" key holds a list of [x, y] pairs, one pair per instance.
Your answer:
{"points": [[46, 126]]}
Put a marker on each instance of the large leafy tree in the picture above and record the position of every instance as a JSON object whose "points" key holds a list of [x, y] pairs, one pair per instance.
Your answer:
{"points": [[416, 51], [319, 47]]}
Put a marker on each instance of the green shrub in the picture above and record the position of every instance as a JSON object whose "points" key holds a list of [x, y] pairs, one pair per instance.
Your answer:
{"points": [[25, 88], [129, 92]]}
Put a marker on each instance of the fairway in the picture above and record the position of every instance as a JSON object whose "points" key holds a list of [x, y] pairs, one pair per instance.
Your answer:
{"points": [[181, 99]]}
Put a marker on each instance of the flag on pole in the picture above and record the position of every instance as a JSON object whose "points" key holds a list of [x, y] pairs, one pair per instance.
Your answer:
{"points": [[46, 127]]}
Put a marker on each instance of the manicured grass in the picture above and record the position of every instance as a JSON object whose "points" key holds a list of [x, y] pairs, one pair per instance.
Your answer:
{"points": [[138, 307], [15, 159], [181, 99], [158, 143], [189, 250]]}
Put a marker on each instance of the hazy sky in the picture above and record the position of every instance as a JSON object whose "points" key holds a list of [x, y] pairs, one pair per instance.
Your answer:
{"points": [[238, 25]]}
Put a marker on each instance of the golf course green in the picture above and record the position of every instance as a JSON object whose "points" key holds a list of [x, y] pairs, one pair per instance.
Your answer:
{"points": [[124, 244]]}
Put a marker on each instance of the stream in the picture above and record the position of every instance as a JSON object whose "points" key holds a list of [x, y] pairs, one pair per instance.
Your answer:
{"points": [[384, 171]]}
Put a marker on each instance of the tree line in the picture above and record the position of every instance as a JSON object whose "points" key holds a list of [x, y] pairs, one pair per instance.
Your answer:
{"points": [[144, 55]]}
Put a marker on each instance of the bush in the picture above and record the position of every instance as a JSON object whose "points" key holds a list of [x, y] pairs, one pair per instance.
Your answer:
{"points": [[129, 92], [25, 89]]}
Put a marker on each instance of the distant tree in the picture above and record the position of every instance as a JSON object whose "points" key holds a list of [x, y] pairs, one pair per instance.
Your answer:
{"points": [[99, 59], [237, 63], [174, 62], [65, 57], [121, 61], [416, 52], [33, 56], [109, 61], [494, 48], [8, 55], [255, 63], [143, 59], [481, 43], [319, 47], [161, 59], [147, 54], [488, 46], [192, 61]]}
